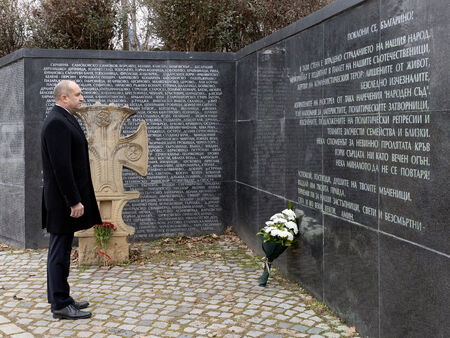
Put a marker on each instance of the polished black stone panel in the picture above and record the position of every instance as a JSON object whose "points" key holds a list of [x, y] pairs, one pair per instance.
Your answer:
{"points": [[12, 216], [343, 71], [351, 273], [417, 209], [352, 163], [247, 216], [210, 82], [11, 92], [272, 82], [34, 235], [303, 261], [228, 203], [271, 158], [268, 205], [293, 139], [246, 152], [424, 30], [38, 100], [12, 164], [414, 290], [226, 136], [291, 157], [310, 157], [175, 208], [227, 84], [303, 51], [12, 159], [246, 87], [352, 157]]}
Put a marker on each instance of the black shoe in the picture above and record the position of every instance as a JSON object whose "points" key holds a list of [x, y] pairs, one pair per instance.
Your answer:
{"points": [[71, 312], [80, 305]]}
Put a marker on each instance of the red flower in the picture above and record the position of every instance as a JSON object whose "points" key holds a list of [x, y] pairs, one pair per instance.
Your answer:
{"points": [[106, 225], [101, 252], [109, 225]]}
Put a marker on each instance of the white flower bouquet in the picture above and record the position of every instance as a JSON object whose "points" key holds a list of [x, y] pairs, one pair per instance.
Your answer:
{"points": [[277, 235], [281, 228]]}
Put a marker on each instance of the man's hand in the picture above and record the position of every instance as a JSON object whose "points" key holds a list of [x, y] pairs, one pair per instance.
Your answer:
{"points": [[77, 210]]}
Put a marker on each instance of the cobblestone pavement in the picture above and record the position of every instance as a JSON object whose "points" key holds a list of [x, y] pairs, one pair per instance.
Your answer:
{"points": [[209, 291]]}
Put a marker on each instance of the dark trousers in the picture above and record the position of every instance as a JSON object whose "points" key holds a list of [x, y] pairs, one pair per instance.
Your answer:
{"points": [[58, 266]]}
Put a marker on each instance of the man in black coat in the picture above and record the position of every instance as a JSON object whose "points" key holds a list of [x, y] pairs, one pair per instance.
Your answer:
{"points": [[68, 202]]}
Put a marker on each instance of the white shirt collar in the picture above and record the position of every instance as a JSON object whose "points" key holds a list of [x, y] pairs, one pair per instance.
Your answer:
{"points": [[63, 108]]}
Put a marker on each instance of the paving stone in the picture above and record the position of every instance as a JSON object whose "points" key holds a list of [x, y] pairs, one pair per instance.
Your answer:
{"points": [[190, 329], [22, 335], [142, 329], [236, 329], [295, 320], [308, 322], [281, 317], [300, 328], [304, 315], [284, 325], [315, 318], [315, 330], [40, 330], [160, 325], [255, 320], [10, 329]]}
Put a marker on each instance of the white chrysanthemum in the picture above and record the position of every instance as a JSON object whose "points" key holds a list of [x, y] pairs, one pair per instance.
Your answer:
{"points": [[269, 223], [290, 237], [268, 229], [279, 220], [276, 216], [289, 214], [284, 234], [293, 226], [275, 232]]}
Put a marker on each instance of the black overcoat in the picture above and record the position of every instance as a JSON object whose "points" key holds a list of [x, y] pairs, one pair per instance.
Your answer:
{"points": [[67, 174]]}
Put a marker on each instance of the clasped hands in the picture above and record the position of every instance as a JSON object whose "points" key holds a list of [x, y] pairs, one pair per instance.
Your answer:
{"points": [[77, 210]]}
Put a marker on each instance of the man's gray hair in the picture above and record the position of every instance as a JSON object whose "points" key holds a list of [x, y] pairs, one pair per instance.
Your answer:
{"points": [[63, 87]]}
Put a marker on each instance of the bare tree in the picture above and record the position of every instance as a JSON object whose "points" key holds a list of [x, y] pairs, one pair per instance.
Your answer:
{"points": [[218, 25], [12, 26], [125, 27], [276, 14], [203, 25], [75, 24]]}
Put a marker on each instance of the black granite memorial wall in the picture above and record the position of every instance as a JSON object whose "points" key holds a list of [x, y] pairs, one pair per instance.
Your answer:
{"points": [[12, 159], [187, 101], [345, 114]]}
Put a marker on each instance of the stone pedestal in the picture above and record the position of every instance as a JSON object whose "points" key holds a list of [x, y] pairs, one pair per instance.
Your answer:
{"points": [[117, 248], [108, 154]]}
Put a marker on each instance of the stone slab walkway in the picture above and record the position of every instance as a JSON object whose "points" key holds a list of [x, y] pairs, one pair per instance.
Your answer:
{"points": [[172, 288]]}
